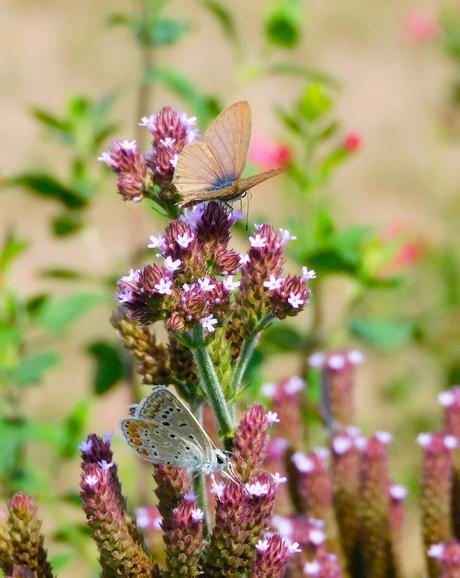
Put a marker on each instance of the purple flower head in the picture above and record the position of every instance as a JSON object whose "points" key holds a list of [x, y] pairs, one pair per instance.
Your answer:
{"points": [[171, 130], [272, 555], [125, 160]]}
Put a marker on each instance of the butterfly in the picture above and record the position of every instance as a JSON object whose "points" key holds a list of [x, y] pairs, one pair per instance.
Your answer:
{"points": [[211, 170], [162, 430]]}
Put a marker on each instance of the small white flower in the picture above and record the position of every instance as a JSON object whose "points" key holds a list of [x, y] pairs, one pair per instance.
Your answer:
{"points": [[278, 478], [294, 385], [436, 550], [336, 361], [131, 277], [167, 142], [244, 258], [124, 294], [217, 488], [208, 323], [424, 439], [128, 145], [142, 517], [341, 445], [197, 514], [316, 523], [303, 463], [163, 287], [286, 236], [190, 496], [356, 357], [229, 284], [293, 547], [361, 442], [446, 398], [316, 537], [91, 481], [308, 274], [353, 431], [262, 545], [384, 437], [156, 242], [184, 240], [206, 285], [85, 446], [149, 122], [321, 453], [450, 443], [272, 417], [107, 436], [273, 283], [283, 525], [257, 489], [268, 389], [172, 265], [398, 492], [257, 241], [105, 465], [312, 568], [316, 360], [173, 160], [295, 300], [106, 158]]}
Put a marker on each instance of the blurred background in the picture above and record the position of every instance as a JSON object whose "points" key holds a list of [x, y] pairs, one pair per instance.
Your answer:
{"points": [[364, 104]]}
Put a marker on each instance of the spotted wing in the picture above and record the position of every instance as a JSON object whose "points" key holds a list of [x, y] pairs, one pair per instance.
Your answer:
{"points": [[163, 407], [196, 171], [228, 139], [161, 445]]}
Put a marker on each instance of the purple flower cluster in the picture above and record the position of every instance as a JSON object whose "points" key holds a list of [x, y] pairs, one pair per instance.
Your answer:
{"points": [[171, 131], [196, 284]]}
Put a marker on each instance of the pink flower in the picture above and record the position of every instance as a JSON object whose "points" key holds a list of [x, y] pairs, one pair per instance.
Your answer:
{"points": [[421, 27], [353, 141], [208, 323], [268, 155]]}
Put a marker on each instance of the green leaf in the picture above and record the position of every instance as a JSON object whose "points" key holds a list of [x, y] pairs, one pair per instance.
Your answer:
{"points": [[164, 31], [67, 224], [283, 24], [73, 428], [63, 274], [109, 366], [315, 101], [48, 186], [120, 19], [60, 561], [224, 17], [35, 304], [282, 338], [385, 334], [58, 315], [32, 368], [204, 106], [12, 248]]}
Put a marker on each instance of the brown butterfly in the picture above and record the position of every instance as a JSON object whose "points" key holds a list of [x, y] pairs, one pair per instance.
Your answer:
{"points": [[211, 170]]}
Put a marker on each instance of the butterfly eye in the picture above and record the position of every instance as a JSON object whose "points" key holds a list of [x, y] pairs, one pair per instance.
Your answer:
{"points": [[220, 459]]}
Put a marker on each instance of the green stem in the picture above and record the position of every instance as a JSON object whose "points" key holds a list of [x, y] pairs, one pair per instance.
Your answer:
{"points": [[199, 480], [210, 383], [246, 353]]}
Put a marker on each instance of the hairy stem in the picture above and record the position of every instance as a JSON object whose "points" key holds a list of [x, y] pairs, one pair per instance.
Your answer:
{"points": [[210, 384], [198, 480]]}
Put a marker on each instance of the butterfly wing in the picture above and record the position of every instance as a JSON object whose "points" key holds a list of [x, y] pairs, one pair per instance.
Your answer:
{"points": [[160, 445], [249, 182], [196, 171], [163, 407], [228, 140]]}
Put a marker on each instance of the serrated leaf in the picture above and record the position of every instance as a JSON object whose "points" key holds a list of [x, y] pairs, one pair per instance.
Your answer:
{"points": [[109, 366], [224, 17], [383, 333], [32, 368], [58, 315], [48, 186]]}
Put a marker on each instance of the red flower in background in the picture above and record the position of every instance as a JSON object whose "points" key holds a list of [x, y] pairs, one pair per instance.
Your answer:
{"points": [[421, 27], [269, 155], [353, 142]]}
